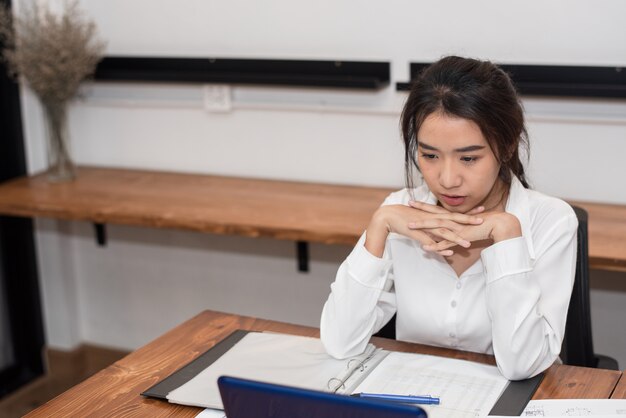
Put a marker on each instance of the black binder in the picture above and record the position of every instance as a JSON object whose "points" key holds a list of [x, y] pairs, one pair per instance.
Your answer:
{"points": [[511, 403]]}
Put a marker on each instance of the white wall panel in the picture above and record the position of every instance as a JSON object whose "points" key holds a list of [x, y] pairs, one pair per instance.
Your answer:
{"points": [[146, 281]]}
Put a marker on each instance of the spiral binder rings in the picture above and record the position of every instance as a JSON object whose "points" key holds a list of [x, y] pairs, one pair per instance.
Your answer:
{"points": [[302, 362], [356, 370]]}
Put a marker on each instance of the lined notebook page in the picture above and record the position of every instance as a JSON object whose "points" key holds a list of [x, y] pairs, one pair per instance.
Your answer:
{"points": [[466, 389]]}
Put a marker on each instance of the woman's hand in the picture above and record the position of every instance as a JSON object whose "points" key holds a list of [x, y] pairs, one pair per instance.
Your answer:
{"points": [[497, 226], [422, 222]]}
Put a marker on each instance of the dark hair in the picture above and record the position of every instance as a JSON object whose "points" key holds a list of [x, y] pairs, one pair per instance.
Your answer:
{"points": [[475, 90]]}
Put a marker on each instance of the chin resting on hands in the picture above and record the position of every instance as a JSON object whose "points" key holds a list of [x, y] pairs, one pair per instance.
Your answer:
{"points": [[428, 224], [498, 226]]}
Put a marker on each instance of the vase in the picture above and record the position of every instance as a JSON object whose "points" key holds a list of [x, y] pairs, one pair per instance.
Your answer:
{"points": [[60, 165]]}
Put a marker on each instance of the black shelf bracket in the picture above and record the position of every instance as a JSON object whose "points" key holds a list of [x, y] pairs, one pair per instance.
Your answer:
{"points": [[343, 74], [101, 234], [302, 254], [555, 80]]}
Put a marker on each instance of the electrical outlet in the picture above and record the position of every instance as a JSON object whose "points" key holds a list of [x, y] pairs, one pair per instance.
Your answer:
{"points": [[217, 98]]}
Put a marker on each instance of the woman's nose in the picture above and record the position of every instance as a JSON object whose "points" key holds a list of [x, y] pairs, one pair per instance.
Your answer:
{"points": [[449, 176]]}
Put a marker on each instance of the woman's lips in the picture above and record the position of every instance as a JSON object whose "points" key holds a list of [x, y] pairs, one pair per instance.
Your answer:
{"points": [[453, 200]]}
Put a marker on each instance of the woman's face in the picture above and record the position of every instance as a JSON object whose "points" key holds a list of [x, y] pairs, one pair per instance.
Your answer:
{"points": [[458, 164]]}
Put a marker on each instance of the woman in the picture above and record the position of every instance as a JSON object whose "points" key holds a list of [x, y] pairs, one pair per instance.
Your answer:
{"points": [[472, 259]]}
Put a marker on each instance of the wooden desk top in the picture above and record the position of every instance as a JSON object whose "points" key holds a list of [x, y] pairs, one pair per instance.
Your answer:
{"points": [[115, 391], [620, 389], [296, 211]]}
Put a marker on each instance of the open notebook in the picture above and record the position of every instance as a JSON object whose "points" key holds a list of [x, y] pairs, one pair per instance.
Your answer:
{"points": [[466, 389]]}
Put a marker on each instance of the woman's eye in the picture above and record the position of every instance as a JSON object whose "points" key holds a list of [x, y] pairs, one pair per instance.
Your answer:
{"points": [[429, 156], [468, 159]]}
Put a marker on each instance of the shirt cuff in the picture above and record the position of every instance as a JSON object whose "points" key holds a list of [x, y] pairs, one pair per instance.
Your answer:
{"points": [[366, 268], [506, 258]]}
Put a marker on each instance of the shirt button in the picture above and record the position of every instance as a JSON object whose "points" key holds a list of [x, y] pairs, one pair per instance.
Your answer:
{"points": [[452, 335], [453, 303], [458, 285]]}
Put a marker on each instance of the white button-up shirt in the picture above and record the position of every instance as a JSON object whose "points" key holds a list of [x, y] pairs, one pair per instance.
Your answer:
{"points": [[512, 302]]}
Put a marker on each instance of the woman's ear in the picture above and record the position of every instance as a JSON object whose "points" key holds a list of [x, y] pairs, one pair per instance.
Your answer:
{"points": [[505, 173]]}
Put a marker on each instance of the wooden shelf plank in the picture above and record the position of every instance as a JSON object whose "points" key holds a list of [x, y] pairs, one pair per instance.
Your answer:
{"points": [[323, 213], [221, 205], [607, 235]]}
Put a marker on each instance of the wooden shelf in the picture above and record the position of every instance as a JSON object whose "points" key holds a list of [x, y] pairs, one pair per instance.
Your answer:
{"points": [[607, 235], [214, 204], [295, 211]]}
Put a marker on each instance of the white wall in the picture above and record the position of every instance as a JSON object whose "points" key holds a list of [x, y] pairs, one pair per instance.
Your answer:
{"points": [[145, 281]]}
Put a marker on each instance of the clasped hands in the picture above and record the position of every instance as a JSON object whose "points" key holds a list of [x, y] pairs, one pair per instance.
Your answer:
{"points": [[437, 229]]}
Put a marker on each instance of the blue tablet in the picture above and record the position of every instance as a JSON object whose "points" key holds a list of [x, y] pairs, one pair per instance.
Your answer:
{"points": [[251, 399]]}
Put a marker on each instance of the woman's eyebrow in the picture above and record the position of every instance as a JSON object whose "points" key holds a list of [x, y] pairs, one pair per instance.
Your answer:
{"points": [[469, 148], [424, 145]]}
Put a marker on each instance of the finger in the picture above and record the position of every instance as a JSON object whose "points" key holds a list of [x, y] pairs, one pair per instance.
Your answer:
{"points": [[431, 249], [451, 236], [440, 246], [433, 223], [464, 219], [457, 217], [422, 237], [427, 207]]}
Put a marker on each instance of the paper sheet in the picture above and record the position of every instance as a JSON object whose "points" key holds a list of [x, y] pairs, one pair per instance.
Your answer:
{"points": [[276, 358], [575, 408], [211, 413], [466, 389]]}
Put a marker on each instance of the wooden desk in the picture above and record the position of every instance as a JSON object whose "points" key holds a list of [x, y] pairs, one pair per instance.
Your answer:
{"points": [[115, 390], [255, 208], [620, 389]]}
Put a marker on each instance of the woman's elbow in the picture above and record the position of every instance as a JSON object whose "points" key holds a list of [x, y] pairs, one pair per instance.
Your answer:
{"points": [[520, 370], [338, 343], [334, 344], [515, 373]]}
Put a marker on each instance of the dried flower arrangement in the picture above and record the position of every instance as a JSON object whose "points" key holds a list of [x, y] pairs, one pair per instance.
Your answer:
{"points": [[54, 53]]}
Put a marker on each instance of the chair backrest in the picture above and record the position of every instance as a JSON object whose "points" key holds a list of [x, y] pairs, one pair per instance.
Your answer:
{"points": [[577, 348]]}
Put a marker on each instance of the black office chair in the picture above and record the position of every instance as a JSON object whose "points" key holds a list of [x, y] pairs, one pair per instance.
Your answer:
{"points": [[577, 348]]}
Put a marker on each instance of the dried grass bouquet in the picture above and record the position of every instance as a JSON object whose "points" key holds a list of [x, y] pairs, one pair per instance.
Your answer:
{"points": [[53, 52]]}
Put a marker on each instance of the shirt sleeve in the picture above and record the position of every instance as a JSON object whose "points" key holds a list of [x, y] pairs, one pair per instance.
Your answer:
{"points": [[527, 299], [361, 301]]}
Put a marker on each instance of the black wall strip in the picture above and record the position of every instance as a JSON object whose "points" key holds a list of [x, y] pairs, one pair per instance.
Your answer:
{"points": [[345, 74], [554, 80], [531, 80]]}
